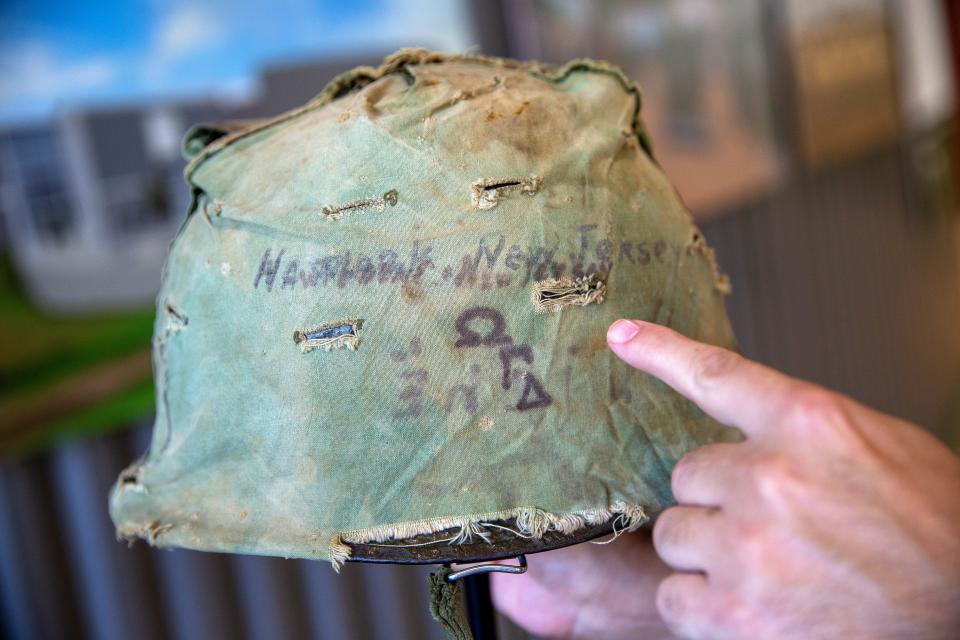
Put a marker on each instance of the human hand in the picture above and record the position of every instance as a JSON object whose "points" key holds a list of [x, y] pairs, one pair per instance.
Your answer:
{"points": [[830, 520], [587, 591]]}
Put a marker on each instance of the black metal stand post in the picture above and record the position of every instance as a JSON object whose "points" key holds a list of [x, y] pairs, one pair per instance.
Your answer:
{"points": [[476, 590]]}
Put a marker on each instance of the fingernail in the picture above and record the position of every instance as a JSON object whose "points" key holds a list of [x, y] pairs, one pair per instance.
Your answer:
{"points": [[622, 330]]}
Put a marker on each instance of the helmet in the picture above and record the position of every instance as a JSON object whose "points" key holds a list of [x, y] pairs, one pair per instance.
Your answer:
{"points": [[384, 320]]}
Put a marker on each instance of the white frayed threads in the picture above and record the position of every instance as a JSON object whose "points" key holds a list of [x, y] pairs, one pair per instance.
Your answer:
{"points": [[339, 553], [378, 204], [553, 294], [698, 244], [531, 523], [628, 519], [468, 530], [486, 193], [151, 532]]}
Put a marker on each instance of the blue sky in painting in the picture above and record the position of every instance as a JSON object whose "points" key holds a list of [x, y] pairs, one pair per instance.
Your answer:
{"points": [[56, 53]]}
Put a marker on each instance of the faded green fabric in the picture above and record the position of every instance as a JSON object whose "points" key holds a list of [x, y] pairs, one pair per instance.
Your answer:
{"points": [[446, 605], [460, 400]]}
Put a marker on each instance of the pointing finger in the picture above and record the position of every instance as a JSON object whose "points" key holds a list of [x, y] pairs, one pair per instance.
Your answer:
{"points": [[734, 390]]}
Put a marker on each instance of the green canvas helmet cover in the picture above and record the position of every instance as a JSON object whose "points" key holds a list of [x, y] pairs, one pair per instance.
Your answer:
{"points": [[385, 315]]}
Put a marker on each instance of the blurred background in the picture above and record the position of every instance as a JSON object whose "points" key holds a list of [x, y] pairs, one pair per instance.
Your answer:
{"points": [[815, 142]]}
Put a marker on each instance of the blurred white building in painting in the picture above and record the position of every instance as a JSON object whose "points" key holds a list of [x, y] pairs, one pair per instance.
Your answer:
{"points": [[90, 202]]}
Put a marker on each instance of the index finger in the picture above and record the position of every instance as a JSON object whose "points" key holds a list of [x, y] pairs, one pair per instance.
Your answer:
{"points": [[736, 391]]}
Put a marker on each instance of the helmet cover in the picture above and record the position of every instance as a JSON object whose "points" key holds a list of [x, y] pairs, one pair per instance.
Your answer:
{"points": [[385, 316]]}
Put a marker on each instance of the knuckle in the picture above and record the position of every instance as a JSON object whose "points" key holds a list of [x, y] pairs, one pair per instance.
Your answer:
{"points": [[739, 618], [773, 476], [712, 364], [670, 600], [688, 610], [699, 471], [771, 467], [816, 409], [682, 472], [664, 531], [752, 544], [685, 605]]}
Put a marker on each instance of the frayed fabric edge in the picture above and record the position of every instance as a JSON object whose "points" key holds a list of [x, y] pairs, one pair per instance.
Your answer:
{"points": [[398, 62], [531, 522], [698, 244]]}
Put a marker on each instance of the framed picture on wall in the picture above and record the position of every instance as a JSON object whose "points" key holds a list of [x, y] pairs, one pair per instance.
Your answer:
{"points": [[843, 67], [702, 68]]}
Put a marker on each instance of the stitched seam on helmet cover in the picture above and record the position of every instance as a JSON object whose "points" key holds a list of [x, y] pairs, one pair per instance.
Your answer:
{"points": [[486, 192], [175, 322], [331, 335], [554, 294], [379, 204]]}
